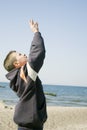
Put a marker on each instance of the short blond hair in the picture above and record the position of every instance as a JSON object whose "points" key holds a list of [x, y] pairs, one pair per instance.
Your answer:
{"points": [[8, 62]]}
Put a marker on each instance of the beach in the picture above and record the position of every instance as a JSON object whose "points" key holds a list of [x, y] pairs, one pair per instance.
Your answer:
{"points": [[59, 118]]}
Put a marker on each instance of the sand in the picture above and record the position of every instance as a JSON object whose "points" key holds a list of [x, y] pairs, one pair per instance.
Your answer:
{"points": [[59, 118]]}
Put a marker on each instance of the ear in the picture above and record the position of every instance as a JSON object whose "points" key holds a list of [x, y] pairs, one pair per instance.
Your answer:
{"points": [[16, 64]]}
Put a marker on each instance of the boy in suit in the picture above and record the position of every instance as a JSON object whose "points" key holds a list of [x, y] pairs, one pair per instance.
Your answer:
{"points": [[30, 111]]}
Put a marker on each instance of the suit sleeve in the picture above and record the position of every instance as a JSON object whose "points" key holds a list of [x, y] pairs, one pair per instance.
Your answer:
{"points": [[37, 52]]}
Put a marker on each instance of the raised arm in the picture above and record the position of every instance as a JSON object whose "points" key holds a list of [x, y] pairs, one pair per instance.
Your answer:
{"points": [[37, 49]]}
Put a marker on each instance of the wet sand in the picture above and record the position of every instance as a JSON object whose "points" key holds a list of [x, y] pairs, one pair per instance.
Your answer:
{"points": [[59, 118]]}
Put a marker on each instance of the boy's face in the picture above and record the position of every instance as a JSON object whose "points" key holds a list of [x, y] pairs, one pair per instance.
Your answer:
{"points": [[21, 59]]}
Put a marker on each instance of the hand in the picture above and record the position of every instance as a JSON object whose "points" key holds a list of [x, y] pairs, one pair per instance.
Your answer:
{"points": [[34, 26]]}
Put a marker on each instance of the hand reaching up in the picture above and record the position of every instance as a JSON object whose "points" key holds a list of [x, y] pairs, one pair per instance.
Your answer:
{"points": [[34, 26]]}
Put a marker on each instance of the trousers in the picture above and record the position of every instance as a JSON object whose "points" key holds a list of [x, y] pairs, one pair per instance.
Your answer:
{"points": [[24, 128]]}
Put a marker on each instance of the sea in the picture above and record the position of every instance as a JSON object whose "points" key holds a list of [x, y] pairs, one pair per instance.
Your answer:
{"points": [[56, 95]]}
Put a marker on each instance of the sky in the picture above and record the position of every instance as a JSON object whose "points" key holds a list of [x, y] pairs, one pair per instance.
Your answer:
{"points": [[63, 25]]}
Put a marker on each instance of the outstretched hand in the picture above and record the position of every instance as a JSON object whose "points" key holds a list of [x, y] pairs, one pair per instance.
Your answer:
{"points": [[34, 26]]}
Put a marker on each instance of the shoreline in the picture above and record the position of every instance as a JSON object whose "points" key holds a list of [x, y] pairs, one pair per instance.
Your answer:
{"points": [[56, 95], [59, 118]]}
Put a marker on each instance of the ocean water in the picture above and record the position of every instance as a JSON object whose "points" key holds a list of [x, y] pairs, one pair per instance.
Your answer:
{"points": [[56, 95]]}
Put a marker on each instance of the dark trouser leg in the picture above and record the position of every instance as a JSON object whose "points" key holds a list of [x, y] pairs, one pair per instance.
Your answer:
{"points": [[23, 128]]}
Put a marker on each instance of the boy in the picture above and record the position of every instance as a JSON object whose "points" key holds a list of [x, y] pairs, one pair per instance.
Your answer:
{"points": [[30, 111]]}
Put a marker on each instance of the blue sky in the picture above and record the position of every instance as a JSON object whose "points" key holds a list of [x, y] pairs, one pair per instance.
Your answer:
{"points": [[63, 24]]}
